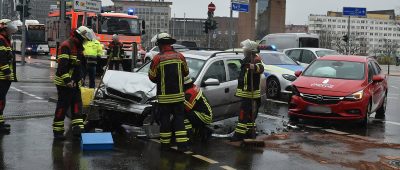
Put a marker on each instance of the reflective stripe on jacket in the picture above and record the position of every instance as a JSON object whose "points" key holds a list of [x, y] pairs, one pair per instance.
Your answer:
{"points": [[244, 88], [167, 70], [69, 62], [6, 59], [196, 102]]}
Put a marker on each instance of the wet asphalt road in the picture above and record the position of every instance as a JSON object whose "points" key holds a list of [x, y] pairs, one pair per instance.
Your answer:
{"points": [[30, 144]]}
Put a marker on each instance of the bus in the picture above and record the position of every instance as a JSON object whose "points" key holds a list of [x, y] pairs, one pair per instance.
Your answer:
{"points": [[35, 39], [291, 40]]}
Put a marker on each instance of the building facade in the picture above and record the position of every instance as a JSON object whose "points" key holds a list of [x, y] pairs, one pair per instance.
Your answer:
{"points": [[40, 9], [8, 9], [156, 14], [373, 34], [296, 28]]}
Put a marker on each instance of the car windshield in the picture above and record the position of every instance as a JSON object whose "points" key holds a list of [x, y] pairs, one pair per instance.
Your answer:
{"points": [[322, 53], [336, 69], [276, 59], [194, 65], [118, 25]]}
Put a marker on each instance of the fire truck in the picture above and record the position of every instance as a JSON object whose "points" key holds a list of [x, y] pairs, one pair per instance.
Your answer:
{"points": [[128, 27]]}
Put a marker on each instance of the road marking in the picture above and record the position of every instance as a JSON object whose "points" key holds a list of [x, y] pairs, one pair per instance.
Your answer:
{"points": [[24, 92], [394, 87], [39, 87], [393, 123], [276, 101], [313, 127], [205, 159], [226, 167], [336, 132], [392, 97]]}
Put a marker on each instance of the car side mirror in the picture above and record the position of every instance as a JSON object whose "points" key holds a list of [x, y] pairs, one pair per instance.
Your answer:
{"points": [[298, 73], [377, 78], [210, 82]]}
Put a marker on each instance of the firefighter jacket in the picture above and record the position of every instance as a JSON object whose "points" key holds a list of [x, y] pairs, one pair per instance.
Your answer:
{"points": [[69, 62], [92, 50], [115, 50], [167, 70], [244, 88], [196, 102], [7, 60]]}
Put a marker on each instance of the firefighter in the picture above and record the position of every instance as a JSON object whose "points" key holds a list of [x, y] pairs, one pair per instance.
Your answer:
{"points": [[93, 50], [249, 90], [7, 66], [198, 112], [115, 52], [168, 69], [68, 79]]}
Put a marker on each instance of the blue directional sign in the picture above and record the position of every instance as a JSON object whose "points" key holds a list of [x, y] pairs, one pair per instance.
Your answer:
{"points": [[351, 11], [240, 7]]}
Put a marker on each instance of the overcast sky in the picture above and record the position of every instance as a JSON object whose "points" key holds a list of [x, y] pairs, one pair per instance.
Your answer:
{"points": [[297, 11]]}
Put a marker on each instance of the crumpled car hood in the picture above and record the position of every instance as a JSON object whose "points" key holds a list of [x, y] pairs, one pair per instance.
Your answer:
{"points": [[134, 84]]}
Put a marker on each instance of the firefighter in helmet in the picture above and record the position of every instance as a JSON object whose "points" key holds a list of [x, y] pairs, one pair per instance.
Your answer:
{"points": [[115, 53], [168, 69], [7, 66], [249, 90], [68, 80]]}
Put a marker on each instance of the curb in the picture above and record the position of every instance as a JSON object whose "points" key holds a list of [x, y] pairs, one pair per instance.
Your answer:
{"points": [[34, 81], [27, 116]]}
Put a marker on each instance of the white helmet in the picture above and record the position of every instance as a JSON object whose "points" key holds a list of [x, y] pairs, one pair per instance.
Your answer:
{"points": [[115, 37], [249, 45], [163, 38], [85, 32], [11, 26]]}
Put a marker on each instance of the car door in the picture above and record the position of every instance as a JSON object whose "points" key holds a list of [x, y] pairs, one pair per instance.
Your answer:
{"points": [[379, 86], [374, 86], [216, 95], [295, 54], [233, 66]]}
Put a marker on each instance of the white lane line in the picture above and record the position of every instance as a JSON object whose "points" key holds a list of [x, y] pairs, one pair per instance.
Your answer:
{"points": [[205, 159], [226, 167], [393, 123], [394, 87], [24, 92], [276, 101]]}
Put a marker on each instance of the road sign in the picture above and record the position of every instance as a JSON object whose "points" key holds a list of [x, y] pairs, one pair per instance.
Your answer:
{"points": [[87, 5], [240, 7], [211, 7], [351, 11]]}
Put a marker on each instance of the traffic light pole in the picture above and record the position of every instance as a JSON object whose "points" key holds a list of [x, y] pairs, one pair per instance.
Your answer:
{"points": [[230, 28], [348, 36], [23, 37]]}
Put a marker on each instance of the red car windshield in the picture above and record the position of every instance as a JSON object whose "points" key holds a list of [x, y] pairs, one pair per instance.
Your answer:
{"points": [[336, 69]]}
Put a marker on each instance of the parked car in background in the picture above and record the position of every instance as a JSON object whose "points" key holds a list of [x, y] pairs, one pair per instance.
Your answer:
{"points": [[307, 55], [284, 41], [339, 88], [128, 98], [279, 72], [155, 50]]}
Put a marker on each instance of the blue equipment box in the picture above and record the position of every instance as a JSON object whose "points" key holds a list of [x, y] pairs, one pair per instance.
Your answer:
{"points": [[97, 141]]}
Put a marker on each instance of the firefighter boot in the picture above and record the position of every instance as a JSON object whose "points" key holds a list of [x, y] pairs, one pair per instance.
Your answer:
{"points": [[76, 131], [4, 128], [59, 136]]}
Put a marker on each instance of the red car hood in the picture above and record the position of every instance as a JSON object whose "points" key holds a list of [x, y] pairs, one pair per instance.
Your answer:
{"points": [[328, 86]]}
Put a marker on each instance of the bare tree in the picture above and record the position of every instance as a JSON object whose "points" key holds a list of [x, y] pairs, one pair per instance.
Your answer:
{"points": [[389, 47], [358, 45], [326, 38]]}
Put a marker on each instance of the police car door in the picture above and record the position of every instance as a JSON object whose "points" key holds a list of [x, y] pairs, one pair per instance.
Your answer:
{"points": [[216, 94]]}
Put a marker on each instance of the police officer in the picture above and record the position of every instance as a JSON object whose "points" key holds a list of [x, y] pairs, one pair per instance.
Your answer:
{"points": [[249, 90], [198, 111], [115, 52], [168, 69], [93, 50], [7, 66], [68, 79]]}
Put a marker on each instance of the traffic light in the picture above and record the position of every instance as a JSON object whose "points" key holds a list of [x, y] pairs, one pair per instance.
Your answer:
{"points": [[27, 11], [213, 25], [345, 38], [206, 26], [23, 10]]}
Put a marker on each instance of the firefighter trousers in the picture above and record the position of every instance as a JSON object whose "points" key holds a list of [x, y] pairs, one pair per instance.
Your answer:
{"points": [[171, 120], [247, 117], [114, 64], [4, 87], [68, 98]]}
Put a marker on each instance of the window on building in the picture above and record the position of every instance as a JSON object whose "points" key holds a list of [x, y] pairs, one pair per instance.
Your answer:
{"points": [[362, 27], [371, 34], [385, 34]]}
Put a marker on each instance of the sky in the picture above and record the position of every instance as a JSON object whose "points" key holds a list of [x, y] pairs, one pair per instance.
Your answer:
{"points": [[297, 11]]}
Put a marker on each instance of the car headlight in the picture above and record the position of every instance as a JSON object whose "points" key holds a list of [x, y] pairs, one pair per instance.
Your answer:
{"points": [[289, 77], [355, 96], [29, 48]]}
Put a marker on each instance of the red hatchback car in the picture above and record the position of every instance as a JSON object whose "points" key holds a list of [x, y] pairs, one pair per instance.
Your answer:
{"points": [[339, 88]]}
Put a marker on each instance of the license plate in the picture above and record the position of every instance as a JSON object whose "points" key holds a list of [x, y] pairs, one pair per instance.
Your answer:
{"points": [[319, 109]]}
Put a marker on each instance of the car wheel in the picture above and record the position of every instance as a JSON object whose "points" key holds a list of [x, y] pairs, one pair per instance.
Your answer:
{"points": [[364, 122], [380, 113], [273, 88]]}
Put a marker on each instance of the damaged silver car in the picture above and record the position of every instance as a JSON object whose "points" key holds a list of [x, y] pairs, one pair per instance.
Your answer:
{"points": [[129, 98]]}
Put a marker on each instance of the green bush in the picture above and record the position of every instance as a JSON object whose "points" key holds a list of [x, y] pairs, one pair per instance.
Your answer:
{"points": [[385, 60]]}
